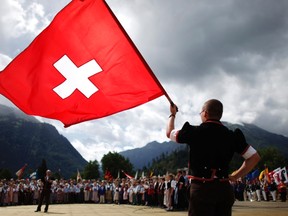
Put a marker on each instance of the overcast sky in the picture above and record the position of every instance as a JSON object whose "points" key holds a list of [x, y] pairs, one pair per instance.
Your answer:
{"points": [[232, 50]]}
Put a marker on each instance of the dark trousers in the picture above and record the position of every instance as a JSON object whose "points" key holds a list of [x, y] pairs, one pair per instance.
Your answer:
{"points": [[211, 199], [44, 194], [182, 200]]}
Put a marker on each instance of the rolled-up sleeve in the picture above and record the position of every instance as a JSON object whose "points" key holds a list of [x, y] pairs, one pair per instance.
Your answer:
{"points": [[249, 152], [242, 147], [184, 135], [173, 135]]}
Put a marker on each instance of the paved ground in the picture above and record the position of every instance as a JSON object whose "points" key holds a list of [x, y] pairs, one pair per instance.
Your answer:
{"points": [[260, 208], [239, 209]]}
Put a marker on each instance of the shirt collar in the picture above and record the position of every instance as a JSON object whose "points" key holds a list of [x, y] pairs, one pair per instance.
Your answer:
{"points": [[213, 121]]}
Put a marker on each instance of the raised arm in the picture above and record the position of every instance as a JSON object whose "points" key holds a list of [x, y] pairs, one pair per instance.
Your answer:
{"points": [[171, 120]]}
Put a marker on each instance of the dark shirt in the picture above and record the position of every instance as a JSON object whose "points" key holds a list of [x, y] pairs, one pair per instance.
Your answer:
{"points": [[212, 146], [181, 181], [47, 183], [101, 190]]}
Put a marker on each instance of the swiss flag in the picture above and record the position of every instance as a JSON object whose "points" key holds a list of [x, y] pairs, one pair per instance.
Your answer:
{"points": [[82, 66]]}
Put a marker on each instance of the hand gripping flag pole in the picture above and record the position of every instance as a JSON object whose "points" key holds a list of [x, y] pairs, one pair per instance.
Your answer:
{"points": [[83, 66]]}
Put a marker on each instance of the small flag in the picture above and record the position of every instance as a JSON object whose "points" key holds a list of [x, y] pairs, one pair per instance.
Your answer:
{"points": [[79, 178], [284, 176], [108, 175], [33, 175], [255, 174], [261, 176], [20, 172], [128, 176], [136, 175], [277, 175]]}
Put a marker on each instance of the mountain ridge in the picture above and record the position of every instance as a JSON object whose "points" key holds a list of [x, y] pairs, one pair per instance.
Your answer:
{"points": [[32, 141], [152, 150]]}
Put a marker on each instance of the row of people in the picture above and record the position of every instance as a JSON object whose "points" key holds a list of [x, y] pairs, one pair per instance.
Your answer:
{"points": [[257, 190], [168, 191]]}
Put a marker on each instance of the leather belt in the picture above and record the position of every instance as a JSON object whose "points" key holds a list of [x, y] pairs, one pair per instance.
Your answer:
{"points": [[203, 180], [209, 173]]}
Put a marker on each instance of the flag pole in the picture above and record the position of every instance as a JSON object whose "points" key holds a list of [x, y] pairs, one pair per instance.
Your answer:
{"points": [[140, 55]]}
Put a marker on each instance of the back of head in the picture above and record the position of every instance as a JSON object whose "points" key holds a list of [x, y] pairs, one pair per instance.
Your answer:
{"points": [[214, 108]]}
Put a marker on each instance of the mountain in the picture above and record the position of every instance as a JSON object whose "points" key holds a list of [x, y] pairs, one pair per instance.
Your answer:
{"points": [[140, 157], [255, 136], [260, 138], [23, 139]]}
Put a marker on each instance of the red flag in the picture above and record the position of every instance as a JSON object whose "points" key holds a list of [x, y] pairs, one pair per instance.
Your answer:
{"points": [[128, 176], [108, 175], [83, 66], [20, 172]]}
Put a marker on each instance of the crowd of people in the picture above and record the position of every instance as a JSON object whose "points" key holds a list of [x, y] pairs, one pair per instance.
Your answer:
{"points": [[257, 190], [169, 191]]}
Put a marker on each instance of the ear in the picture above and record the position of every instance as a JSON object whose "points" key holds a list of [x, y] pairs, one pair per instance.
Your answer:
{"points": [[206, 114]]}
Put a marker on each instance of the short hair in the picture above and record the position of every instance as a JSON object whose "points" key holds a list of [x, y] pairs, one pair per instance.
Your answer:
{"points": [[214, 108]]}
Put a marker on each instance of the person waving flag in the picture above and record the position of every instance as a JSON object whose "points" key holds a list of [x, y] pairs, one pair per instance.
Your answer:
{"points": [[83, 66]]}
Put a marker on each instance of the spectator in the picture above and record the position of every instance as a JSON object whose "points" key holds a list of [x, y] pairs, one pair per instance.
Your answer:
{"points": [[283, 191], [46, 191]]}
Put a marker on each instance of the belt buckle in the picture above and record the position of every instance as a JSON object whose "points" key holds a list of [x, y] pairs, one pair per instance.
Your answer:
{"points": [[203, 180]]}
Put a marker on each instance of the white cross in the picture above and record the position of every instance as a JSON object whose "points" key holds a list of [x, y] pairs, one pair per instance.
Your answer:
{"points": [[76, 78]]}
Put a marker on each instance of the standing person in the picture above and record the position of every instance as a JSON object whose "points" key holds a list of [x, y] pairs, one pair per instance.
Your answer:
{"points": [[181, 190], [258, 189], [46, 191], [156, 187], [273, 189], [212, 146], [283, 191], [117, 188], [10, 193], [102, 191], [95, 196], [160, 192], [264, 188], [125, 193]]}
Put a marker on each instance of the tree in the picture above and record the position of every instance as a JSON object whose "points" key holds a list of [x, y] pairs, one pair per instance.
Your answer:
{"points": [[57, 175], [91, 170], [271, 157], [114, 162], [5, 174]]}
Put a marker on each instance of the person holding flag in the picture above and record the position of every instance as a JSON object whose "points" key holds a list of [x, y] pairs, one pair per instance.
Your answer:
{"points": [[212, 147]]}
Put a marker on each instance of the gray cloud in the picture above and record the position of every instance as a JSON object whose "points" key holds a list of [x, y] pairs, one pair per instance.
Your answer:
{"points": [[197, 37]]}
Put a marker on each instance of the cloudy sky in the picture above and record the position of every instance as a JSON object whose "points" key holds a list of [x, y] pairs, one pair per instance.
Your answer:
{"points": [[233, 50]]}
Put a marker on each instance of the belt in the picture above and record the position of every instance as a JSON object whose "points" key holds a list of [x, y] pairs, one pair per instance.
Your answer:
{"points": [[209, 173], [203, 180]]}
